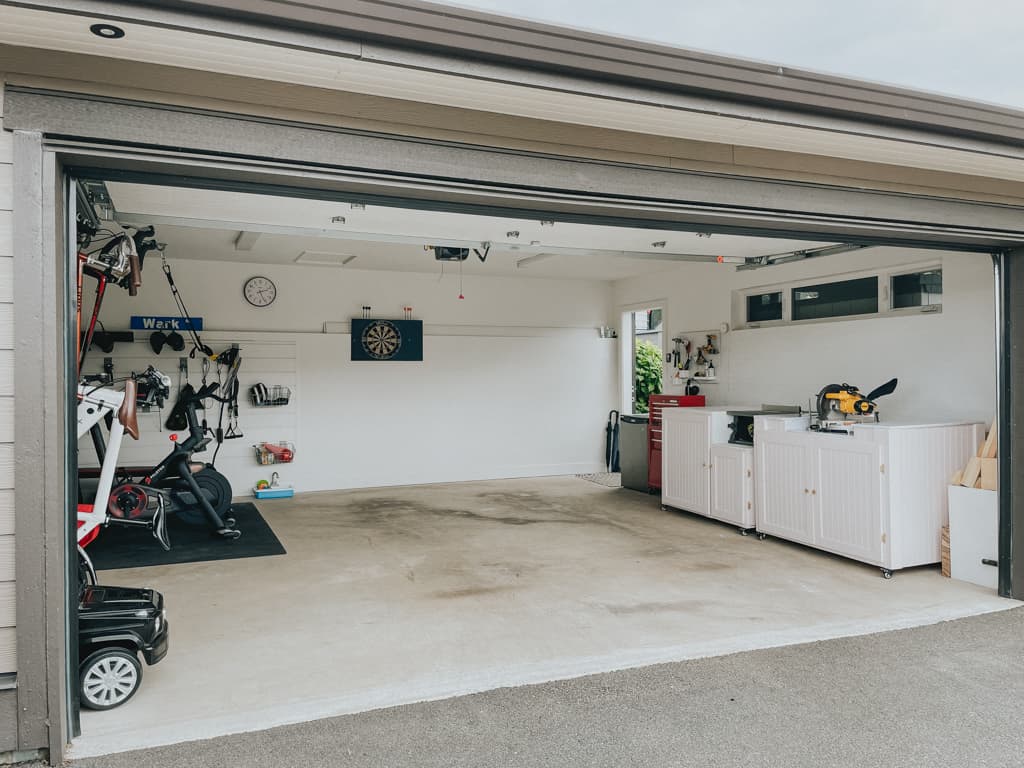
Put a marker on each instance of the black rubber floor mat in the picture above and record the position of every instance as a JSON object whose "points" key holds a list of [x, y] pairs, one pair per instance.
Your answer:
{"points": [[119, 547]]}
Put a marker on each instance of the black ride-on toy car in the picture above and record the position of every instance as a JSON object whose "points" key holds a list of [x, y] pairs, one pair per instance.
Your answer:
{"points": [[115, 626]]}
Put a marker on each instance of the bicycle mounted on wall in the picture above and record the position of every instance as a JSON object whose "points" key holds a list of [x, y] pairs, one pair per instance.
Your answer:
{"points": [[196, 492]]}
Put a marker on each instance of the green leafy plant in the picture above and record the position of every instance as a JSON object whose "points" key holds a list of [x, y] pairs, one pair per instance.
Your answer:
{"points": [[648, 374]]}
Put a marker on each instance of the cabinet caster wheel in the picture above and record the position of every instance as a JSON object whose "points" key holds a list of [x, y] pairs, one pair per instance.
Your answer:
{"points": [[664, 508], [762, 536], [744, 532], [886, 573]]}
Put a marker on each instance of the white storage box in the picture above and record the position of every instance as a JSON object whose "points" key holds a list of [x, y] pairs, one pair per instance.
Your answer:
{"points": [[974, 535]]}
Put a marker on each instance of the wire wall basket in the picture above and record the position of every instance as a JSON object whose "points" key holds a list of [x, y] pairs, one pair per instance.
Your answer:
{"points": [[279, 452], [263, 396]]}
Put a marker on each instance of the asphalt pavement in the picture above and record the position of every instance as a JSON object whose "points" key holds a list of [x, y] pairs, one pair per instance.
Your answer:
{"points": [[950, 694]]}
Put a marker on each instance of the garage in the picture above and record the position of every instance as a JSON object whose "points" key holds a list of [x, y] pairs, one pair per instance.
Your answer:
{"points": [[456, 526], [457, 522]]}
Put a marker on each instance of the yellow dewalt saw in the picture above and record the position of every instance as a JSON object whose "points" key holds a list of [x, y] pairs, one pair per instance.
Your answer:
{"points": [[840, 404]]}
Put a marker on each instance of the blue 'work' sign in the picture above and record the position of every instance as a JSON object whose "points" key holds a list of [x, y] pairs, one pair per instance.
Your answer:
{"points": [[154, 323]]}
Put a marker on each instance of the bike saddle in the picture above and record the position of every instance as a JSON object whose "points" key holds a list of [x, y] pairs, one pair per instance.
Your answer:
{"points": [[127, 413]]}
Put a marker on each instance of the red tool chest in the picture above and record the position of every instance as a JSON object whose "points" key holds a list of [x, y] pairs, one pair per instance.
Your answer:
{"points": [[655, 405]]}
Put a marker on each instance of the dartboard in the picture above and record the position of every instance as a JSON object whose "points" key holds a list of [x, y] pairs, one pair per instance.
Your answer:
{"points": [[381, 340]]}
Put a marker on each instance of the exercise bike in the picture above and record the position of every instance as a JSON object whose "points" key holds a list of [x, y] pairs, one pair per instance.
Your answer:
{"points": [[127, 505], [194, 491]]}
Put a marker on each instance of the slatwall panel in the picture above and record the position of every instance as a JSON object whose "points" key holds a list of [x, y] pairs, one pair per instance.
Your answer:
{"points": [[267, 357]]}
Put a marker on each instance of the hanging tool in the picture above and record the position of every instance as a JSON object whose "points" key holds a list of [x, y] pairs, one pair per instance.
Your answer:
{"points": [[197, 342]]}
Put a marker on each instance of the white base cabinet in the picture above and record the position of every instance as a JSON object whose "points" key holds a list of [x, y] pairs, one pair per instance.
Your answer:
{"points": [[732, 484], [701, 472], [878, 495]]}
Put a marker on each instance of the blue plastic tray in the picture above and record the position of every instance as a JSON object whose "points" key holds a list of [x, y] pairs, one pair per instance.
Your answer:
{"points": [[273, 493]]}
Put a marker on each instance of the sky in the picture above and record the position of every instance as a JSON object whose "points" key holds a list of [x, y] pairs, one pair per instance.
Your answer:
{"points": [[967, 48]]}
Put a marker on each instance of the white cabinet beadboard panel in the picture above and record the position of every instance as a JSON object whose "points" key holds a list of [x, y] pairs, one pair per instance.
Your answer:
{"points": [[930, 456], [732, 484], [684, 461], [8, 657], [848, 500], [781, 474]]}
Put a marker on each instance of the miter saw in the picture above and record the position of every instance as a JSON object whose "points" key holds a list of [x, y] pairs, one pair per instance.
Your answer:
{"points": [[841, 406]]}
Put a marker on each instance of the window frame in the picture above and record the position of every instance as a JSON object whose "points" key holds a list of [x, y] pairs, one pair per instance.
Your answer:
{"points": [[885, 308], [921, 309]]}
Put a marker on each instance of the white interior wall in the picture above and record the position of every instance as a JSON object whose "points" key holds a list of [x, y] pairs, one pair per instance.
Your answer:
{"points": [[488, 401], [945, 362]]}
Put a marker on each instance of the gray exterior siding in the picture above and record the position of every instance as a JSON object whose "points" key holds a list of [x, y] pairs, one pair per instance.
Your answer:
{"points": [[8, 654]]}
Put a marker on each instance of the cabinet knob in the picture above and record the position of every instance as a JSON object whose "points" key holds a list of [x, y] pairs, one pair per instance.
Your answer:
{"points": [[813, 492], [807, 490]]}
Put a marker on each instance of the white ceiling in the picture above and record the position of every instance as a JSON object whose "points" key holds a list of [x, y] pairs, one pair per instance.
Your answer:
{"points": [[205, 224]]}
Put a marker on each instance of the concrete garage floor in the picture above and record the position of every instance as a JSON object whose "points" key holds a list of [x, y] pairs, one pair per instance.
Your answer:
{"points": [[397, 595]]}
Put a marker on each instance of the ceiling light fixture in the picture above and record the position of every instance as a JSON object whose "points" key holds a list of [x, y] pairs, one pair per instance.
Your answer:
{"points": [[337, 219], [527, 260], [703, 234], [512, 234], [659, 244], [107, 31], [358, 206], [545, 223], [535, 242]]}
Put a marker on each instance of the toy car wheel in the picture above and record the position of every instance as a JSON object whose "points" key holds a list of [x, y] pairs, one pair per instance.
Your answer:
{"points": [[108, 678]]}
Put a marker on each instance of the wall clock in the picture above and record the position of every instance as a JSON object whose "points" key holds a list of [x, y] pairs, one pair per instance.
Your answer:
{"points": [[259, 291]]}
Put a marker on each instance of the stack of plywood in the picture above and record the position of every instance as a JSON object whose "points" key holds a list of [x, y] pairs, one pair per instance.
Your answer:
{"points": [[944, 551], [982, 471]]}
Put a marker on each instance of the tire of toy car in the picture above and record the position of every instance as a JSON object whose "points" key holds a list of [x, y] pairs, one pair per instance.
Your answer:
{"points": [[108, 678]]}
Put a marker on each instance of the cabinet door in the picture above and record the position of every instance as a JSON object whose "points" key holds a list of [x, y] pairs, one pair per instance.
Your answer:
{"points": [[685, 477], [784, 471], [848, 499], [731, 486]]}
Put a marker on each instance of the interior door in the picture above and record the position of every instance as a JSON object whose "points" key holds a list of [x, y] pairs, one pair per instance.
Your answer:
{"points": [[784, 503], [847, 494]]}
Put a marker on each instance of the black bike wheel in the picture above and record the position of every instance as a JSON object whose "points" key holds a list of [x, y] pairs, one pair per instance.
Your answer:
{"points": [[216, 489]]}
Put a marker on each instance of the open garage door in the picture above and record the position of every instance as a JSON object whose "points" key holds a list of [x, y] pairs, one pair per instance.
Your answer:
{"points": [[815, 237]]}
